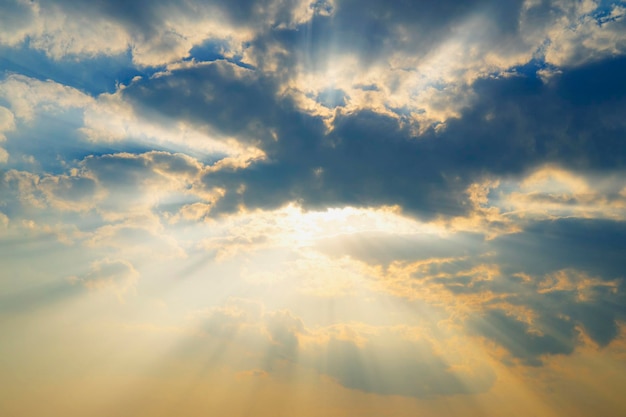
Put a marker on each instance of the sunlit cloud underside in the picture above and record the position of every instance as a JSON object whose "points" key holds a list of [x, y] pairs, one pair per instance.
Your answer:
{"points": [[296, 208]]}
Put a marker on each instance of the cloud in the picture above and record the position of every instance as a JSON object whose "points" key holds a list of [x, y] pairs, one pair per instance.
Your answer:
{"points": [[4, 220], [498, 207], [74, 193], [231, 99], [395, 363], [7, 122], [369, 158], [16, 20], [156, 33], [414, 199], [520, 342], [385, 361], [312, 163], [137, 237], [422, 59], [100, 123], [590, 245], [152, 182], [405, 51], [540, 291], [587, 34], [27, 96], [61, 192], [118, 276], [551, 193], [294, 228]]}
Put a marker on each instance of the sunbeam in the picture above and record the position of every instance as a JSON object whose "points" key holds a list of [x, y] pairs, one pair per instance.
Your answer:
{"points": [[299, 208]]}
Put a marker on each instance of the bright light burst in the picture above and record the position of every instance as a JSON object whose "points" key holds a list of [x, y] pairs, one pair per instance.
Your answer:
{"points": [[296, 208]]}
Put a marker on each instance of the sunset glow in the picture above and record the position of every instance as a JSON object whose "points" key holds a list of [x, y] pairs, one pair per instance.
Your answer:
{"points": [[296, 208]]}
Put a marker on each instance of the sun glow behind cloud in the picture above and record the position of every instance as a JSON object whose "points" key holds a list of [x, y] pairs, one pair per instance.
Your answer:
{"points": [[292, 208]]}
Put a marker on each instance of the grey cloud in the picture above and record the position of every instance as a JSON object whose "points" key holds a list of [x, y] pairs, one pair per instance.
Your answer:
{"points": [[553, 330], [566, 274], [32, 192], [135, 170], [594, 246], [69, 192], [368, 159], [37, 297], [390, 365], [149, 18], [233, 100], [557, 336], [373, 159], [383, 361], [14, 17], [118, 275], [283, 329], [385, 248], [515, 123], [137, 181], [374, 29], [121, 199], [580, 250]]}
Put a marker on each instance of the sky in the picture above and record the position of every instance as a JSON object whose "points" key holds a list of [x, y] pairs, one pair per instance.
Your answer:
{"points": [[297, 208]]}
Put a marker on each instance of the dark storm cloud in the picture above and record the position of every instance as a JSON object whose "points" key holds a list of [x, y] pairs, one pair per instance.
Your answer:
{"points": [[530, 122], [230, 99], [515, 124], [368, 159]]}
